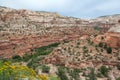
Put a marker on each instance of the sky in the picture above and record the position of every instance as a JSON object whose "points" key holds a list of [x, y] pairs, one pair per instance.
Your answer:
{"points": [[74, 8]]}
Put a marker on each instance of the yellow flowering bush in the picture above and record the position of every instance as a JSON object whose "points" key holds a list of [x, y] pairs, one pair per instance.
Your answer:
{"points": [[17, 72], [9, 71]]}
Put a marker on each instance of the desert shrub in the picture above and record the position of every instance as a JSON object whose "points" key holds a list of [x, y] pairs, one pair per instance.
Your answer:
{"points": [[26, 57], [66, 41], [92, 75], [45, 69], [97, 28], [33, 64], [99, 75], [109, 50], [101, 50], [104, 71], [75, 74], [118, 66], [101, 44], [17, 58], [78, 43], [84, 47], [84, 74], [95, 35], [61, 73], [102, 38], [85, 51], [118, 58]]}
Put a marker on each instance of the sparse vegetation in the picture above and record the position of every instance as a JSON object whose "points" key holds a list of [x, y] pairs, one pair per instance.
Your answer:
{"points": [[61, 73], [97, 28], [45, 69], [92, 75], [104, 71], [75, 74], [118, 66]]}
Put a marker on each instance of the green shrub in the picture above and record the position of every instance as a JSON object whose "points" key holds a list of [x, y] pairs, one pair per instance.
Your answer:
{"points": [[26, 57], [99, 75], [109, 50], [104, 71], [92, 75], [75, 74], [100, 44], [118, 66], [45, 50], [40, 53], [17, 58], [61, 73], [97, 28], [78, 43], [45, 69]]}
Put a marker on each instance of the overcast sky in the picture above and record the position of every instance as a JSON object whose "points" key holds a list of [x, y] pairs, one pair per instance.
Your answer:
{"points": [[75, 8]]}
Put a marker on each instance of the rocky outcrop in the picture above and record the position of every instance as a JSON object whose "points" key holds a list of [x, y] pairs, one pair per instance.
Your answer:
{"points": [[112, 39], [115, 28]]}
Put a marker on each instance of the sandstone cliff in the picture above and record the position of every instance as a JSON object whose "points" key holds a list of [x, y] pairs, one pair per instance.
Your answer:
{"points": [[23, 30]]}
